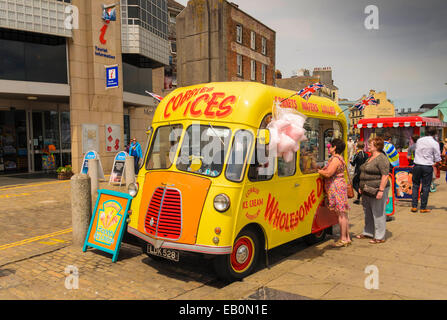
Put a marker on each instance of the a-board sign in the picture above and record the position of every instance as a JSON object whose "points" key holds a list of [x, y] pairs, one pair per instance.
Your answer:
{"points": [[403, 182], [108, 222], [118, 169], [92, 155]]}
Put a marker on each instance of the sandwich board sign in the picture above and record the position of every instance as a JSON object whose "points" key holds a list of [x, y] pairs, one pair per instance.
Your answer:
{"points": [[118, 169], [92, 155], [108, 222]]}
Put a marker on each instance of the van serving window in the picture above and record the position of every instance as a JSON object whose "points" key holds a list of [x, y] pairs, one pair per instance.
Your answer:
{"points": [[313, 151], [203, 150], [262, 165]]}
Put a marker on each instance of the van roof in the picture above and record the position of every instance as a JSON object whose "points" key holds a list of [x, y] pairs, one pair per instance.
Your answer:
{"points": [[237, 102]]}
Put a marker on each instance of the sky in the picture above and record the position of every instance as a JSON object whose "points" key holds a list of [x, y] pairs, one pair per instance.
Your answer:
{"points": [[406, 56]]}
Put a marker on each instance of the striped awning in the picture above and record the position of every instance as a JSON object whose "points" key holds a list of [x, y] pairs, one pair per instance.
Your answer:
{"points": [[399, 122]]}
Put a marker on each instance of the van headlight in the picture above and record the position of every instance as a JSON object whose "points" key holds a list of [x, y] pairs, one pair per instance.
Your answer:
{"points": [[132, 189], [221, 202]]}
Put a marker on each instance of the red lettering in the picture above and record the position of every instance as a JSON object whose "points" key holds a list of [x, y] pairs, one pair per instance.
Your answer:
{"points": [[312, 197], [303, 211], [171, 101], [187, 108], [271, 208], [282, 221], [176, 102], [213, 103], [102, 35], [307, 206], [320, 185], [224, 108], [198, 113], [287, 223]]}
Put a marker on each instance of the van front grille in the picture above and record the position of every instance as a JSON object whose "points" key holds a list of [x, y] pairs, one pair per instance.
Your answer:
{"points": [[164, 214]]}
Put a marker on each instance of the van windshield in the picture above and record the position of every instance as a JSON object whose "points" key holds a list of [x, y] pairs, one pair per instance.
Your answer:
{"points": [[164, 147], [203, 150]]}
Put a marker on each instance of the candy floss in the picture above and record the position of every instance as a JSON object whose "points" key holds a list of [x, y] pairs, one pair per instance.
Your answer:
{"points": [[286, 131]]}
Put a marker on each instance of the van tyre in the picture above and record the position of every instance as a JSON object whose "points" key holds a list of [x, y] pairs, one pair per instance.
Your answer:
{"points": [[315, 238], [243, 260]]}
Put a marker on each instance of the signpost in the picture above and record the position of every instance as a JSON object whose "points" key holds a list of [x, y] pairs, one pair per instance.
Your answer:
{"points": [[92, 155], [118, 169], [108, 222]]}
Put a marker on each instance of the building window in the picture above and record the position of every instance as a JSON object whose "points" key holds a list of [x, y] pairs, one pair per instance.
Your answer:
{"points": [[263, 71], [239, 33], [239, 65], [253, 40], [378, 101], [264, 46], [253, 70]]}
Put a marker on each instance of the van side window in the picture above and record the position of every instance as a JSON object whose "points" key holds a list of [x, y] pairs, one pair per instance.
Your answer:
{"points": [[239, 155], [261, 165], [286, 169], [313, 151]]}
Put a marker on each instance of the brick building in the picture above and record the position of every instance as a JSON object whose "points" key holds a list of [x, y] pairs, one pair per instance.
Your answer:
{"points": [[219, 42]]}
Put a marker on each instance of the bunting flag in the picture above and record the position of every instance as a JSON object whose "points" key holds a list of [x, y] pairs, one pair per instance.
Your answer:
{"points": [[155, 96], [309, 90], [363, 103]]}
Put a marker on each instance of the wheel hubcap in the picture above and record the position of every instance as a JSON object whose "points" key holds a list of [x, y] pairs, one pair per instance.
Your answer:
{"points": [[242, 254]]}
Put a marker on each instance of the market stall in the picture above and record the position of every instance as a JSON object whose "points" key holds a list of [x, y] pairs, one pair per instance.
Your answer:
{"points": [[401, 129]]}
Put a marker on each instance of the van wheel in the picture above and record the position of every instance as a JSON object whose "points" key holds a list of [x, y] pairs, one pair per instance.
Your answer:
{"points": [[314, 238], [242, 261]]}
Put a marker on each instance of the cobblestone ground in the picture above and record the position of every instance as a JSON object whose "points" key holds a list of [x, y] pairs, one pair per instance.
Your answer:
{"points": [[36, 256]]}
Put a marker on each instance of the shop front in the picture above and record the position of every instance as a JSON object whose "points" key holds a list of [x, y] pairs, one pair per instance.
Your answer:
{"points": [[34, 138]]}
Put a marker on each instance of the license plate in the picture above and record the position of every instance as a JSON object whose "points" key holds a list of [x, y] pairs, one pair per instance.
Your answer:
{"points": [[169, 254]]}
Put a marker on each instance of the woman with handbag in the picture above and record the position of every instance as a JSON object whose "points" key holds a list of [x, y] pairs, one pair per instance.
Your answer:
{"points": [[374, 186], [336, 189]]}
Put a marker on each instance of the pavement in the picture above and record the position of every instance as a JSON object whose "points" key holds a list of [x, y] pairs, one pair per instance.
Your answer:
{"points": [[39, 261]]}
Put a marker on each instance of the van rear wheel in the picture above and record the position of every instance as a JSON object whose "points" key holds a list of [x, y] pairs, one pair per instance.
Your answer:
{"points": [[316, 237], [242, 260]]}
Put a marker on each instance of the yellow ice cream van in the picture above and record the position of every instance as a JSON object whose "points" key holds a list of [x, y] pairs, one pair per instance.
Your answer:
{"points": [[204, 186]]}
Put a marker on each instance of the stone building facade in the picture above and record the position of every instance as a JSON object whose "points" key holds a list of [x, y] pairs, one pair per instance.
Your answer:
{"points": [[61, 98], [384, 109]]}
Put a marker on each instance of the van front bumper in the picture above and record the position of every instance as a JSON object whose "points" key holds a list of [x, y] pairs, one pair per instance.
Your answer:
{"points": [[158, 243]]}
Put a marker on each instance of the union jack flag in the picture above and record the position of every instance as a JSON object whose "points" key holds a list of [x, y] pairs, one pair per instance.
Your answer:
{"points": [[155, 96], [309, 90], [363, 103]]}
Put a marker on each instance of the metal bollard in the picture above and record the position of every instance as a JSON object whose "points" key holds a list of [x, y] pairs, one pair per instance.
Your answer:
{"points": [[81, 207], [130, 170], [93, 173]]}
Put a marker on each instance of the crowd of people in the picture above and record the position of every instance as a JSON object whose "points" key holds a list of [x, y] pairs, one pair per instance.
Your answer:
{"points": [[371, 179]]}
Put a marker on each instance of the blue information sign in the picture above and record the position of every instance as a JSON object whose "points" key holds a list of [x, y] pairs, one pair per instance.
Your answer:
{"points": [[112, 76]]}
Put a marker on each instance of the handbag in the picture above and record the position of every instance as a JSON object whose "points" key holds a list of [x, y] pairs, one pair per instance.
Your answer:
{"points": [[370, 191], [349, 189]]}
